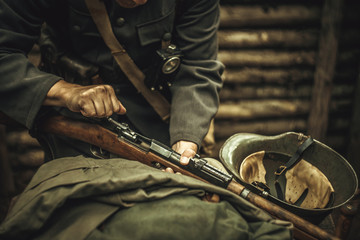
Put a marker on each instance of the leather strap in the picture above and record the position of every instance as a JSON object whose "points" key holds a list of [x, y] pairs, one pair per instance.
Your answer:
{"points": [[280, 180], [295, 158], [100, 16]]}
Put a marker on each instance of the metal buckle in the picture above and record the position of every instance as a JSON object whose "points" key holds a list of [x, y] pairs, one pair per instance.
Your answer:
{"points": [[280, 170]]}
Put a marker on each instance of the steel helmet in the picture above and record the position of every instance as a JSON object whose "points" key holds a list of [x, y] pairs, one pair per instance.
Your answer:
{"points": [[292, 170]]}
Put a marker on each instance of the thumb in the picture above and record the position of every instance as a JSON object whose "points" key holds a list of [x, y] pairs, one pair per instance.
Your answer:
{"points": [[119, 109], [186, 155]]}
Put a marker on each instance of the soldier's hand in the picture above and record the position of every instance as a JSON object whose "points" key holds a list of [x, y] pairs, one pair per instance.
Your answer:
{"points": [[91, 101], [186, 149]]}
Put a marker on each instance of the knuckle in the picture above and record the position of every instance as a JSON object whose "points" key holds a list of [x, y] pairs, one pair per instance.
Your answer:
{"points": [[107, 87], [82, 103], [109, 113], [88, 110], [110, 89], [87, 94], [87, 113], [100, 89], [101, 113]]}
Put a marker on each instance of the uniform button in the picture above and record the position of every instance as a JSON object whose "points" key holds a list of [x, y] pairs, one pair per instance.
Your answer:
{"points": [[76, 28], [120, 22], [167, 37]]}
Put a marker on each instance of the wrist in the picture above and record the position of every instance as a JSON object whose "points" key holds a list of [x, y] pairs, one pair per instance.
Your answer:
{"points": [[58, 94]]}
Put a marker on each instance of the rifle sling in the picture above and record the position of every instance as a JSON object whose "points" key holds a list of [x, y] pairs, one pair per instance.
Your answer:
{"points": [[100, 16]]}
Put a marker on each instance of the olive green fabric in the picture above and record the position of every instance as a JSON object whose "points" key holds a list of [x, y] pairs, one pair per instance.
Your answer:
{"points": [[185, 217], [69, 198]]}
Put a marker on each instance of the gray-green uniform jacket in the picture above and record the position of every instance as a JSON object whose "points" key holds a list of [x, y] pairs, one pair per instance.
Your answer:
{"points": [[194, 90], [70, 198]]}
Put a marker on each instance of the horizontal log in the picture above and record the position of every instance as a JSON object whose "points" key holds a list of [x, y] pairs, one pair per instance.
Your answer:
{"points": [[248, 109], [270, 127], [284, 38], [268, 38], [225, 129], [281, 15], [286, 76], [338, 125], [266, 58], [32, 158], [21, 139], [252, 109], [258, 75], [349, 37], [349, 57], [260, 92], [237, 92], [281, 58], [351, 13]]}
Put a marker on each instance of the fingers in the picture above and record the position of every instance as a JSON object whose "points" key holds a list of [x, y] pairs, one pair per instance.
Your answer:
{"points": [[96, 101], [170, 170], [186, 155], [211, 197], [116, 104], [186, 149]]}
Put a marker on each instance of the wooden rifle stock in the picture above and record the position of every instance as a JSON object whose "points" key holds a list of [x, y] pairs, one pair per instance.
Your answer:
{"points": [[108, 140]]}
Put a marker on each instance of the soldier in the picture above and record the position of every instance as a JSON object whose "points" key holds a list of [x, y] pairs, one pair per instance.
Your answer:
{"points": [[141, 27], [77, 197]]}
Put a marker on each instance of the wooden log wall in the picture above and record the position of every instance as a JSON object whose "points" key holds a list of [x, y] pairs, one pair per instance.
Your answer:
{"points": [[20, 155], [270, 50]]}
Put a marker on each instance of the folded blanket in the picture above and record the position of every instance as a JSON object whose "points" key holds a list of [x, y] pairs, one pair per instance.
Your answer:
{"points": [[79, 198]]}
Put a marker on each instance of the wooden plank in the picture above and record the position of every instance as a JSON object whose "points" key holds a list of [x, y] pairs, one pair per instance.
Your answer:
{"points": [[226, 129], [268, 38], [238, 92], [325, 68], [269, 108], [255, 75], [31, 158], [258, 15], [260, 109], [21, 138], [266, 58], [354, 131]]}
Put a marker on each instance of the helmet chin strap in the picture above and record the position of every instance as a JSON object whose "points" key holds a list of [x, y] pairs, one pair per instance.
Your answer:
{"points": [[296, 181], [280, 180]]}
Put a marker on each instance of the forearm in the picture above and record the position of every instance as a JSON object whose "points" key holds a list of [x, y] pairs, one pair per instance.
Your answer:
{"points": [[195, 90], [59, 94], [23, 87], [195, 102]]}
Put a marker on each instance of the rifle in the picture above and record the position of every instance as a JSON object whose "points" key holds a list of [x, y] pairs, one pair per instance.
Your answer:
{"points": [[119, 139]]}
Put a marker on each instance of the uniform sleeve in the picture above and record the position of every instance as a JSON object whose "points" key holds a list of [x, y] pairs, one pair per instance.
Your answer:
{"points": [[196, 88], [23, 86]]}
